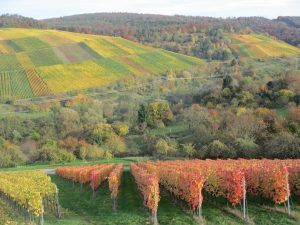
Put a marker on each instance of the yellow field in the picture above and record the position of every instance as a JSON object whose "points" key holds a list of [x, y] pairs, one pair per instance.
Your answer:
{"points": [[75, 76], [260, 46]]}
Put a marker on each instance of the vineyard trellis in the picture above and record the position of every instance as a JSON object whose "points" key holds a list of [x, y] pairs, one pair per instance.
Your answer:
{"points": [[233, 179]]}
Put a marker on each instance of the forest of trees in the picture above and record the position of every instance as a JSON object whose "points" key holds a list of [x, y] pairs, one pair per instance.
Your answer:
{"points": [[8, 20], [157, 29]]}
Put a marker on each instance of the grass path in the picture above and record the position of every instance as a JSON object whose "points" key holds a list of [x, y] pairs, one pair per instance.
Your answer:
{"points": [[44, 166]]}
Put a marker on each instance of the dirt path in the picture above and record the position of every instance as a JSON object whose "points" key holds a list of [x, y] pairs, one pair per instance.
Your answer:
{"points": [[49, 171]]}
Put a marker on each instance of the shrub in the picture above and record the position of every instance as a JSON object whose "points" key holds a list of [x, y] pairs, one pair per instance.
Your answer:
{"points": [[100, 133], [188, 150], [246, 147], [10, 154], [217, 149], [282, 145], [95, 153], [295, 128], [116, 145], [51, 153], [121, 128], [166, 147]]}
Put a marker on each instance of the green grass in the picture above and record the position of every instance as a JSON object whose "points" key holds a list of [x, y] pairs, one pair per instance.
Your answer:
{"points": [[44, 57], [173, 129], [9, 63], [13, 45], [282, 112], [27, 44], [5, 88], [38, 165], [159, 61], [116, 67], [27, 115], [216, 215], [169, 214], [260, 211], [8, 215], [20, 87]]}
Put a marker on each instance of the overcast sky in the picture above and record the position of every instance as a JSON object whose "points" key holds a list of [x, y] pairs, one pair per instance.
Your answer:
{"points": [[40, 9]]}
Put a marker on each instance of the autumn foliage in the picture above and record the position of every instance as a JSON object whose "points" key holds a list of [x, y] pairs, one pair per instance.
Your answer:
{"points": [[114, 180], [94, 175], [224, 178], [28, 190], [99, 175], [148, 186]]}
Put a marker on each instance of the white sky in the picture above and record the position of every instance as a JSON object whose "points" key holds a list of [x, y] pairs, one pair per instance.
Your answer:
{"points": [[40, 9]]}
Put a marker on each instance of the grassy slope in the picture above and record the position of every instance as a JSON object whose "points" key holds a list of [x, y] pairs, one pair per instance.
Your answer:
{"points": [[260, 46], [66, 61]]}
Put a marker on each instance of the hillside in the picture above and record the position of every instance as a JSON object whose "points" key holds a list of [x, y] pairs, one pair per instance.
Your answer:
{"points": [[44, 62], [202, 37], [142, 27], [261, 46]]}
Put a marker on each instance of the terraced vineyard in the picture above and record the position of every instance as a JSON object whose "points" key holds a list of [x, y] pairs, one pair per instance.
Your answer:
{"points": [[44, 62], [260, 46]]}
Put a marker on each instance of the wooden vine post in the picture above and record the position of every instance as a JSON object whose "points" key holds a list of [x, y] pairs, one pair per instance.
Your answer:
{"points": [[42, 213], [154, 211], [244, 199], [58, 213], [199, 203], [287, 186]]}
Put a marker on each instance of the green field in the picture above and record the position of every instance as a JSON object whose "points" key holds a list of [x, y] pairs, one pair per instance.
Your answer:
{"points": [[15, 83], [44, 57], [65, 61]]}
